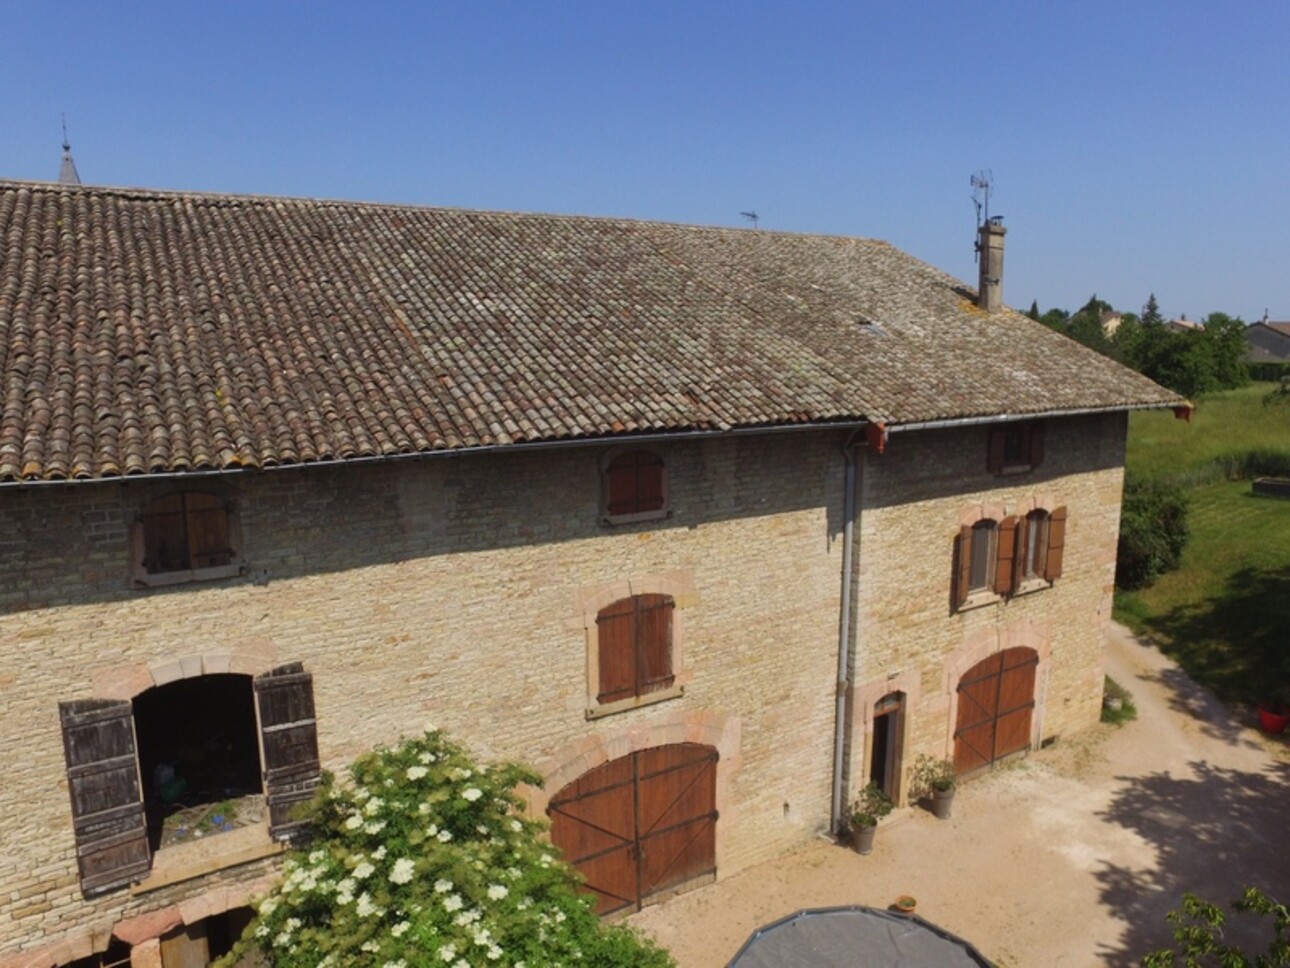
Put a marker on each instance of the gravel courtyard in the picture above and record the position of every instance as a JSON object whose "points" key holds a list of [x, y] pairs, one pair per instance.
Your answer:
{"points": [[1071, 857]]}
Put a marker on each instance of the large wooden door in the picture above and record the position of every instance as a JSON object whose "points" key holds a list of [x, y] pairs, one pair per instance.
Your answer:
{"points": [[640, 825], [996, 699]]}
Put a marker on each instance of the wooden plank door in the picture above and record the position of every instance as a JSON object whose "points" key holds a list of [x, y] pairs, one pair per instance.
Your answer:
{"points": [[677, 816], [593, 821], [996, 704], [641, 824]]}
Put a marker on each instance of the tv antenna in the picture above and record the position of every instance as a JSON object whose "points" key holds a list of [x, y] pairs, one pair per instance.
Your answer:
{"points": [[982, 182], [752, 217]]}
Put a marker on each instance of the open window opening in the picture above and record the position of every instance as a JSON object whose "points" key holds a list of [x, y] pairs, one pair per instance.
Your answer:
{"points": [[884, 756], [199, 758]]}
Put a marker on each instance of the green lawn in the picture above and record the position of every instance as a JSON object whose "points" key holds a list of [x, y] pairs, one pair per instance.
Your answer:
{"points": [[1225, 614]]}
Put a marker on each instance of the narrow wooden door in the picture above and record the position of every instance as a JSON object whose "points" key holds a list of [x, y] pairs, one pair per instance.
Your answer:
{"points": [[640, 825], [996, 699]]}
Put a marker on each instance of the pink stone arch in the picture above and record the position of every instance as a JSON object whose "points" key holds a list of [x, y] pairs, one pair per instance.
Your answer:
{"points": [[128, 681]]}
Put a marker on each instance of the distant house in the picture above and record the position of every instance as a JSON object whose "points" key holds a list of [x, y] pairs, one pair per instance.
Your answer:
{"points": [[713, 527], [1269, 342], [1183, 325]]}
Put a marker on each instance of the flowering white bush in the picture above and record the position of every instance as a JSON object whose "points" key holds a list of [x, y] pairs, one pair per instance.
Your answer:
{"points": [[424, 860]]}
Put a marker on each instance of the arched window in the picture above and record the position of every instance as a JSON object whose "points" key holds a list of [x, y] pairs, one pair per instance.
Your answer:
{"points": [[635, 647], [1009, 556], [634, 487], [185, 536]]}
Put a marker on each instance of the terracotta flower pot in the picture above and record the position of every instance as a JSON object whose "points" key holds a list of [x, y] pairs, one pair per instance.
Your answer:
{"points": [[905, 904]]}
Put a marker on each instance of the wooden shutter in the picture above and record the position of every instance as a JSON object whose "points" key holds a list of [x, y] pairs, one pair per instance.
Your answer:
{"points": [[634, 483], [1036, 444], [653, 643], [1056, 543], [616, 633], [963, 572], [207, 517], [994, 456], [621, 485], [1005, 556], [107, 800], [289, 744]]}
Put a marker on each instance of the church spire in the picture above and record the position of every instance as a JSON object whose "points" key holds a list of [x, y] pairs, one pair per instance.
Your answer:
{"points": [[67, 174]]}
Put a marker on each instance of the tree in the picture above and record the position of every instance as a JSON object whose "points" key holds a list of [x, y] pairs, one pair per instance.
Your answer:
{"points": [[1198, 935], [1151, 312], [1224, 337], [1033, 311], [1153, 532], [426, 859]]}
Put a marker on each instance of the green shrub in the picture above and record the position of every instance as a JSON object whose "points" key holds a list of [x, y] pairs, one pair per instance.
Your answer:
{"points": [[1199, 936], [425, 859], [1118, 707], [1153, 531]]}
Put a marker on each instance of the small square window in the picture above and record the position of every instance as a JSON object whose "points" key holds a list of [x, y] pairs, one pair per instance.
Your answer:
{"points": [[185, 536], [1015, 448], [634, 487]]}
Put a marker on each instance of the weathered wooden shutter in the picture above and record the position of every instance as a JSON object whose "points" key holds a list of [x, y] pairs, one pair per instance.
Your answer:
{"points": [[1056, 544], [616, 633], [994, 455], [653, 643], [208, 543], [963, 571], [289, 744], [1005, 556], [107, 799], [634, 483], [649, 481], [1036, 444]]}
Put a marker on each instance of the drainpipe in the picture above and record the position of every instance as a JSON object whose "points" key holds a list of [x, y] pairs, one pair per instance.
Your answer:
{"points": [[844, 635]]}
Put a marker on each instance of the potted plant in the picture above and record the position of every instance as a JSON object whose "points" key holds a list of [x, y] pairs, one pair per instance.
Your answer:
{"points": [[905, 904], [870, 806], [933, 779]]}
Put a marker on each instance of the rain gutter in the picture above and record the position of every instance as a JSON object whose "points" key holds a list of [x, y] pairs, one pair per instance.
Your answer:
{"points": [[650, 438]]}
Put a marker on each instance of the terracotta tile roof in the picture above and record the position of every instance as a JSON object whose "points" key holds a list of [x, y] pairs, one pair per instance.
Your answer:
{"points": [[148, 331]]}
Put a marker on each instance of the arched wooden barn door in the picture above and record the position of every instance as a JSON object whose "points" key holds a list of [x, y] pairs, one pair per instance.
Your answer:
{"points": [[996, 702], [640, 825]]}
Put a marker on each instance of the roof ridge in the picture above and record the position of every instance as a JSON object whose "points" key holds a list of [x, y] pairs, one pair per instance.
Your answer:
{"points": [[144, 193]]}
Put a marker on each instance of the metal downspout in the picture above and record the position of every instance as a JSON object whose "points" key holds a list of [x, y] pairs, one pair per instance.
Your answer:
{"points": [[844, 635]]}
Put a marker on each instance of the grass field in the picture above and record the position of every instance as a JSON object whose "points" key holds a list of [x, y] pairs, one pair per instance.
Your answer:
{"points": [[1225, 614]]}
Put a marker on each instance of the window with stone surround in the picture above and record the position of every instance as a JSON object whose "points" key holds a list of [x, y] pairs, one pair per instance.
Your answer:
{"points": [[186, 536], [1008, 556], [633, 486], [226, 755], [1015, 448], [635, 644]]}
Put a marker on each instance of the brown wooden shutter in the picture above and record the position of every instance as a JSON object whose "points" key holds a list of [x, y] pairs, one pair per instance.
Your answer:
{"points": [[107, 800], [1056, 544], [616, 633], [963, 571], [289, 743], [1036, 444], [208, 544], [653, 643], [1006, 556], [994, 456], [649, 481], [621, 486]]}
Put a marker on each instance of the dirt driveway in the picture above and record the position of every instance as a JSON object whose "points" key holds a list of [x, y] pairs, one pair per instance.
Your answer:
{"points": [[1070, 858]]}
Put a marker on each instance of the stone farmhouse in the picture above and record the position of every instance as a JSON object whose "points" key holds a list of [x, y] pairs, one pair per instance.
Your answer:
{"points": [[710, 526]]}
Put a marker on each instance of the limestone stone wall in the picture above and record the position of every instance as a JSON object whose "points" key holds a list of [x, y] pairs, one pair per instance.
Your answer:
{"points": [[450, 592], [909, 637]]}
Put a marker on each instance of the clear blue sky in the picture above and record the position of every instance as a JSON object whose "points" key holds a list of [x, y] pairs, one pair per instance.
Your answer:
{"points": [[1136, 145]]}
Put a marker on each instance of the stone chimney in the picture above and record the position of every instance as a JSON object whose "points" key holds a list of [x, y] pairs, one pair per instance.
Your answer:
{"points": [[990, 258]]}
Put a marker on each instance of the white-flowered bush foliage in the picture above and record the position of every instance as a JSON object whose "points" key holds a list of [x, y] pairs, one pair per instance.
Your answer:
{"points": [[425, 860]]}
